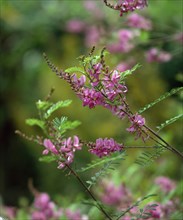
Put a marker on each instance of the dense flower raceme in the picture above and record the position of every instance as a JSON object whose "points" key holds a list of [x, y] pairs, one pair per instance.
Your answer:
{"points": [[120, 197], [45, 209], [66, 150], [104, 147], [105, 88], [125, 6]]}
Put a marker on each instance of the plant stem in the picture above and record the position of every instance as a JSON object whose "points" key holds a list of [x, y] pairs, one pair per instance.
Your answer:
{"points": [[174, 150], [88, 191]]}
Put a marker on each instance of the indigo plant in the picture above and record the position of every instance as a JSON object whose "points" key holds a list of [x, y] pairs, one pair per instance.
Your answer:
{"points": [[95, 83]]}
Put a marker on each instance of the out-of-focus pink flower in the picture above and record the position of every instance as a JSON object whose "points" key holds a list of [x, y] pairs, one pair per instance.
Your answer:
{"points": [[41, 200], [165, 184], [75, 215], [178, 37], [124, 43], [126, 65], [156, 212], [75, 26], [138, 21], [92, 36], [156, 55]]}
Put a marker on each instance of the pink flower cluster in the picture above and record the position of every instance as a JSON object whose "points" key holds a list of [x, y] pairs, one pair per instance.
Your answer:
{"points": [[124, 42], [156, 55], [66, 150], [165, 184], [115, 195], [137, 21], [45, 208], [106, 88], [104, 147], [125, 6]]}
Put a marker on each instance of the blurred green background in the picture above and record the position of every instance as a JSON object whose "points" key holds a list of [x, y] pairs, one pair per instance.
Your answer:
{"points": [[29, 28]]}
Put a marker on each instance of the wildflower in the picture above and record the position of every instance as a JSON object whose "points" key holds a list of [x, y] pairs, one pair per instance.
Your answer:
{"points": [[104, 147], [137, 122], [71, 215], [138, 21], [69, 146], [156, 212], [50, 147], [91, 98], [95, 73], [79, 82], [75, 26], [125, 6], [156, 55], [165, 184]]}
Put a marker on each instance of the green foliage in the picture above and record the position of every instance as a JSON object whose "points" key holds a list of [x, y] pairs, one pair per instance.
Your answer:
{"points": [[56, 106], [43, 105], [169, 121], [34, 121], [147, 157], [108, 165], [135, 205], [63, 124], [48, 158], [161, 98], [129, 72], [75, 69], [99, 161]]}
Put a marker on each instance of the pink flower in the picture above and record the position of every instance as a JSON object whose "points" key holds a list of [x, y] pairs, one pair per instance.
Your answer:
{"points": [[165, 184], [79, 82], [41, 201], [156, 212], [138, 21], [125, 6], [156, 55], [178, 37], [91, 98], [104, 147], [75, 26], [49, 147], [69, 146], [92, 36]]}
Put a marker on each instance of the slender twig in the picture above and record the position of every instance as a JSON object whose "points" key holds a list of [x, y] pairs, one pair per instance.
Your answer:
{"points": [[88, 191]]}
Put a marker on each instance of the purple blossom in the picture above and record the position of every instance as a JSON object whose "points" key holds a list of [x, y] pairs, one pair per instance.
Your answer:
{"points": [[50, 147], [165, 184], [156, 55], [104, 147], [90, 97], [75, 26], [95, 73], [137, 123], [125, 6], [138, 21], [75, 215], [79, 82], [124, 43], [156, 212], [67, 149]]}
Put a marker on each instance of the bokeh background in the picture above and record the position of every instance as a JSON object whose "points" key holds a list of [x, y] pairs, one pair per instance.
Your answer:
{"points": [[29, 28]]}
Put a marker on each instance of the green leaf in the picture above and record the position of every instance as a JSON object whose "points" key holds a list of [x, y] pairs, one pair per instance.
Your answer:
{"points": [[161, 98], [169, 121], [43, 105], [56, 106], [62, 124], [75, 69], [128, 72], [48, 159], [34, 121], [101, 161]]}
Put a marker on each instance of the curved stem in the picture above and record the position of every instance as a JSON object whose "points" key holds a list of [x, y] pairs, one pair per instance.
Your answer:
{"points": [[88, 191]]}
